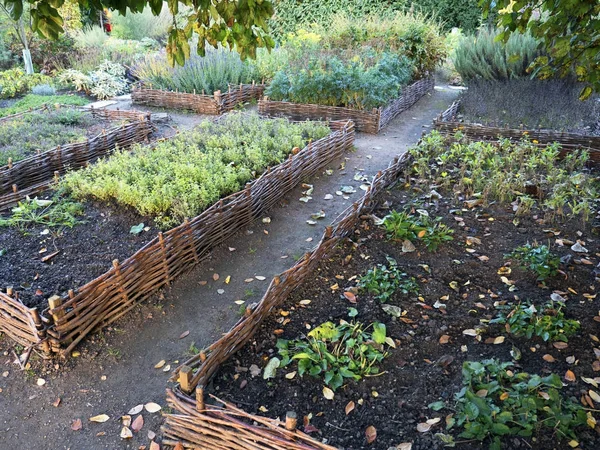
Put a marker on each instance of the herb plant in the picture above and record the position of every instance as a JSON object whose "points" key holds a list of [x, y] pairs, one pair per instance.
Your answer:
{"points": [[337, 352], [183, 176], [403, 226], [51, 213], [385, 279], [549, 322], [536, 258], [495, 402], [14, 82]]}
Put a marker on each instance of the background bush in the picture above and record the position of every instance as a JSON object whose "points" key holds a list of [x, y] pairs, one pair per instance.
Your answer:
{"points": [[214, 72], [141, 25], [291, 15], [530, 103], [15, 81], [481, 57], [183, 176]]}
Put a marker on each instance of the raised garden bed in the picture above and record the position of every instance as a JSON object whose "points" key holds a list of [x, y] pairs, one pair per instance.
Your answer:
{"points": [[448, 124], [35, 168], [446, 320], [367, 121], [79, 308], [215, 104]]}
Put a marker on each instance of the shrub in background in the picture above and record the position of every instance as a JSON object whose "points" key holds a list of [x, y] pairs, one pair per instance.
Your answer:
{"points": [[481, 57], [44, 90], [530, 103], [137, 26], [15, 81], [32, 101], [93, 36], [214, 72], [108, 80]]}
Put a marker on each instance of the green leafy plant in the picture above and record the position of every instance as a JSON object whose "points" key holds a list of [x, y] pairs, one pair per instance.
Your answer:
{"points": [[106, 81], [385, 279], [51, 213], [549, 322], [504, 171], [536, 258], [337, 352], [15, 81], [403, 226], [183, 176], [32, 101], [496, 402]]}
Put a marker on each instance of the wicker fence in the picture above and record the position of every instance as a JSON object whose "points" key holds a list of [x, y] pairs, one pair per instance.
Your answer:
{"points": [[35, 173], [447, 124], [215, 104], [129, 282], [368, 121], [199, 424]]}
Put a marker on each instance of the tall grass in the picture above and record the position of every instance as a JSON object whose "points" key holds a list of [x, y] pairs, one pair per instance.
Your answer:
{"points": [[137, 26], [482, 57], [213, 72]]}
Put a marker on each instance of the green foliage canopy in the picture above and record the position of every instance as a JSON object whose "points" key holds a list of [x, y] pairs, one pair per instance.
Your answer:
{"points": [[569, 30], [237, 23]]}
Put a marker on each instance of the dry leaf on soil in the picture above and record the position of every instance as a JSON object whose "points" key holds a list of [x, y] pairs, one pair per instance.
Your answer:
{"points": [[160, 364], [328, 393], [569, 375], [152, 407], [126, 433], [100, 418], [136, 410], [371, 433], [184, 334], [349, 407], [76, 425], [444, 339], [138, 423], [154, 446]]}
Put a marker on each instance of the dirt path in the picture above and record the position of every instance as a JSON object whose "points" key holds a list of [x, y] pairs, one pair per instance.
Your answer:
{"points": [[115, 369]]}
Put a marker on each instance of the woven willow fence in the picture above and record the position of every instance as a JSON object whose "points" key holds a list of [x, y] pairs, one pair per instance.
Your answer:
{"points": [[35, 173], [127, 283], [199, 424], [447, 124], [215, 104], [368, 121]]}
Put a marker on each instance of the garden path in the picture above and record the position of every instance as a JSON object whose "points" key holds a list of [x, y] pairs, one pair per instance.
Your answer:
{"points": [[115, 368]]}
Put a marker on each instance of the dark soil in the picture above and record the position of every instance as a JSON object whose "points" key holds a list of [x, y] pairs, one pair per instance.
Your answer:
{"points": [[421, 370], [86, 251]]}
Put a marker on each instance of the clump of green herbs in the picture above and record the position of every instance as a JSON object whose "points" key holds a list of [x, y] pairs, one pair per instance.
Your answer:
{"points": [[348, 351], [33, 101], [508, 172], [183, 176], [537, 258], [385, 279], [549, 322], [495, 402], [403, 226], [58, 212], [44, 130]]}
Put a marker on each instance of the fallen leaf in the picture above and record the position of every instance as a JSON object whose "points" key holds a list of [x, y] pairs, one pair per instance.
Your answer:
{"points": [[155, 446], [215, 276], [304, 302], [138, 423], [569, 375], [100, 418], [126, 433], [260, 278], [41, 382], [271, 368], [350, 297], [591, 381], [290, 375], [483, 258], [152, 407], [151, 434], [404, 446], [263, 409], [470, 332], [228, 279], [76, 425], [178, 446], [160, 364], [126, 420], [371, 433], [328, 393], [136, 410], [499, 340], [423, 427], [594, 396], [56, 402], [184, 334], [560, 345], [254, 370], [444, 339], [349, 407], [548, 358]]}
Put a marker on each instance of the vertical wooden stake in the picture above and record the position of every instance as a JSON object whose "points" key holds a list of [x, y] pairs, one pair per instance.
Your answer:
{"points": [[185, 379], [10, 163], [39, 326], [14, 188], [200, 398], [163, 248], [291, 420], [9, 291]]}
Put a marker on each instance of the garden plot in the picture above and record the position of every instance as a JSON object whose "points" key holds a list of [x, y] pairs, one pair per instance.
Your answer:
{"points": [[110, 210], [463, 311]]}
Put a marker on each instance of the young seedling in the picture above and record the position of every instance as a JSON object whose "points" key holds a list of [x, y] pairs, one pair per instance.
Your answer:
{"points": [[536, 258]]}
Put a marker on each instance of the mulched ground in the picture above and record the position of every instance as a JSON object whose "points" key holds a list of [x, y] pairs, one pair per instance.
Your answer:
{"points": [[421, 370]]}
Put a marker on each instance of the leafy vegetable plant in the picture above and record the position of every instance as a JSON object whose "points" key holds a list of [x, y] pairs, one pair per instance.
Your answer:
{"points": [[549, 322], [337, 352], [495, 402], [384, 280], [403, 226], [51, 213], [536, 258]]}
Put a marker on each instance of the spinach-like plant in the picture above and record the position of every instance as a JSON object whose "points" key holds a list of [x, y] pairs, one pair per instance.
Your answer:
{"points": [[536, 258], [549, 322], [51, 213], [337, 352], [495, 402], [383, 280], [403, 226]]}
